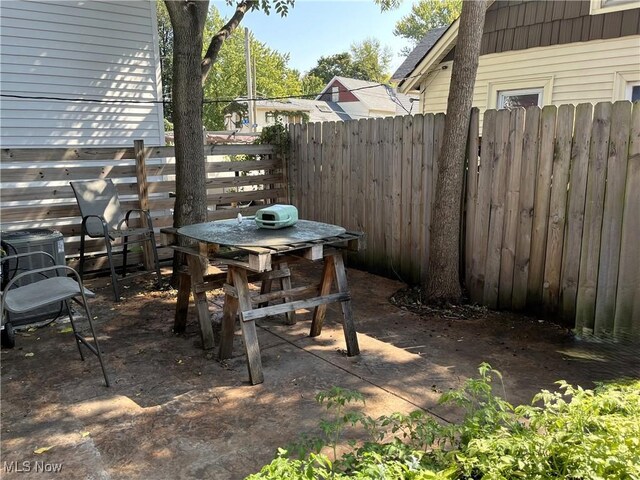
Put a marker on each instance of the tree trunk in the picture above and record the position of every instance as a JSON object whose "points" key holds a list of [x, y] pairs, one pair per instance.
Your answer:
{"points": [[188, 19], [443, 281]]}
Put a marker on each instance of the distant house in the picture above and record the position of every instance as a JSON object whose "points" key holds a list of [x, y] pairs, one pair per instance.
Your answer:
{"points": [[341, 100], [363, 99], [292, 110], [536, 53], [79, 73]]}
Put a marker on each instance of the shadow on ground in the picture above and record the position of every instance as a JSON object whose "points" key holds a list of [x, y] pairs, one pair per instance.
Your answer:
{"points": [[175, 412]]}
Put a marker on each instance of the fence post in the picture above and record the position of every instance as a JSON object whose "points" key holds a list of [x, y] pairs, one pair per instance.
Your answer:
{"points": [[143, 196]]}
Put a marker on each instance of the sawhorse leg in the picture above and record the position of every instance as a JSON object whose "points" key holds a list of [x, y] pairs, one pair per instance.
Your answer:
{"points": [[196, 271], [249, 333], [334, 267], [182, 303], [229, 313], [320, 312]]}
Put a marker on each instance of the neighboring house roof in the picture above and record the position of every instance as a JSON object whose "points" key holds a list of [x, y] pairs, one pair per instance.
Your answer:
{"points": [[418, 53], [374, 95], [319, 110]]}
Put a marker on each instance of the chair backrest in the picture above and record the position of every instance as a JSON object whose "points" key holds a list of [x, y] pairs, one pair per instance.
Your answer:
{"points": [[98, 197]]}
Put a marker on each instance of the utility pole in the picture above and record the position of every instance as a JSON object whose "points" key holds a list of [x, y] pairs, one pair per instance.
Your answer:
{"points": [[247, 56]]}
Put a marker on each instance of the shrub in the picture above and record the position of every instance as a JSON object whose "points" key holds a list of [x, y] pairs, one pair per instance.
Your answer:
{"points": [[571, 433]]}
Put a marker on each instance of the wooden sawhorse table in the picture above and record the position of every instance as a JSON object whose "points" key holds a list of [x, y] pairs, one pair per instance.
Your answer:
{"points": [[265, 255]]}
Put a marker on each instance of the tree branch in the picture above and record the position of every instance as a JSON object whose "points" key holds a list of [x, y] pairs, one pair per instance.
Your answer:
{"points": [[218, 39]]}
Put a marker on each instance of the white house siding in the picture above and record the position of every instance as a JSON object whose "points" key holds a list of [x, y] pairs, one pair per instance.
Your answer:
{"points": [[575, 73], [88, 49]]}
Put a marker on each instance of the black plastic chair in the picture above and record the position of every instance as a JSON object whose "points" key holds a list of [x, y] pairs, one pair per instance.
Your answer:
{"points": [[102, 217]]}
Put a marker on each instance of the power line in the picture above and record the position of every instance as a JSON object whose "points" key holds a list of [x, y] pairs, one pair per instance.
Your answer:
{"points": [[82, 100], [163, 101]]}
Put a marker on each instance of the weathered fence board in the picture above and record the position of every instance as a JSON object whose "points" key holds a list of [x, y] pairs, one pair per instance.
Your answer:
{"points": [[369, 193], [338, 177], [428, 189], [528, 176], [405, 199], [417, 189], [471, 191], [386, 220], [541, 206], [575, 214], [557, 208], [396, 219], [483, 208], [513, 153], [377, 206], [499, 164], [594, 210], [626, 322], [612, 218]]}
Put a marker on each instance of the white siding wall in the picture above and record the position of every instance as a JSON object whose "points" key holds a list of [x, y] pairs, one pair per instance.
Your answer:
{"points": [[574, 73], [89, 49]]}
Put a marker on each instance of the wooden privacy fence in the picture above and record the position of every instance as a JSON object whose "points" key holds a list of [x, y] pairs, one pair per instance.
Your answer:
{"points": [[372, 175], [551, 215], [36, 191]]}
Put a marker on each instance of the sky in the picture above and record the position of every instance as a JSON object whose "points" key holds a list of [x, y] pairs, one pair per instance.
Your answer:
{"points": [[315, 28]]}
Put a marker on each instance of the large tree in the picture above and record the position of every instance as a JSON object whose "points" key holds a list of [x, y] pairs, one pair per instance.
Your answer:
{"points": [[312, 85], [340, 64], [371, 60], [228, 80], [443, 282], [366, 60], [190, 71]]}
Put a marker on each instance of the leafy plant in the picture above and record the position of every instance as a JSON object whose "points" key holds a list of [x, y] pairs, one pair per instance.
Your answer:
{"points": [[572, 433], [275, 135]]}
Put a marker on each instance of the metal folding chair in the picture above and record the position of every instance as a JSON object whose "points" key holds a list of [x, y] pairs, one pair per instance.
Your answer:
{"points": [[49, 285], [102, 217]]}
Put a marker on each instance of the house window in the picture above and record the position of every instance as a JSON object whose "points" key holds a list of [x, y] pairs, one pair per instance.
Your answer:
{"points": [[633, 92], [519, 92], [270, 118], [605, 6], [527, 97], [335, 95]]}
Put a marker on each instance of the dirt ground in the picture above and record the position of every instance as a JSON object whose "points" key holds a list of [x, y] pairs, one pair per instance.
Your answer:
{"points": [[175, 412]]}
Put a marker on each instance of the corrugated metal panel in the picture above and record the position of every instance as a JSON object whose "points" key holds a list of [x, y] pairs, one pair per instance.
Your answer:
{"points": [[99, 50]]}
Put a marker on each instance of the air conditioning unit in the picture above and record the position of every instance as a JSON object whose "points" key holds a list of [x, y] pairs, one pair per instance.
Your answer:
{"points": [[32, 240]]}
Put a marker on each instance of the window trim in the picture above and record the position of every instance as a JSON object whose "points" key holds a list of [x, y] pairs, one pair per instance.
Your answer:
{"points": [[520, 83], [519, 91], [599, 7], [621, 83], [629, 92], [335, 94]]}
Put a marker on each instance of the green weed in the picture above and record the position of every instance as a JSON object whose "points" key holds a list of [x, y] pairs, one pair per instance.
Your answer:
{"points": [[571, 433]]}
